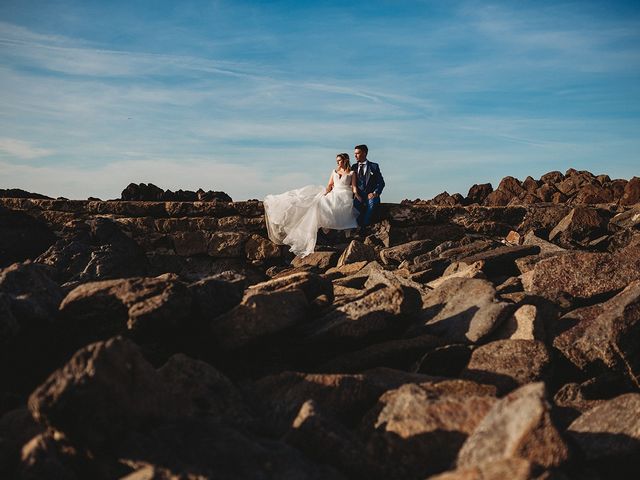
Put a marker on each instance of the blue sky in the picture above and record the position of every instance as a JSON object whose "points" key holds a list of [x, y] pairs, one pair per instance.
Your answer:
{"points": [[258, 97]]}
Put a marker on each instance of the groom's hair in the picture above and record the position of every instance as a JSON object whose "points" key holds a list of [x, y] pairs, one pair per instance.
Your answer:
{"points": [[364, 148]]}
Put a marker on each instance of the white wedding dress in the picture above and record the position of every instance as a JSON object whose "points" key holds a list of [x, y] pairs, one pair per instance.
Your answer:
{"points": [[293, 217]]}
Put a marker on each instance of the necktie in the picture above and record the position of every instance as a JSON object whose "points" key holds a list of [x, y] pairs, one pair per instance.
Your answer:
{"points": [[361, 170]]}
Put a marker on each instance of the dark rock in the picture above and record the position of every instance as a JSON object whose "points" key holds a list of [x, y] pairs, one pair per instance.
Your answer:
{"points": [[518, 425], [422, 434], [610, 430], [400, 354], [606, 339], [94, 251], [17, 427], [19, 193], [552, 178], [45, 456], [445, 361], [30, 296], [631, 194], [206, 391], [629, 219], [217, 294], [147, 306], [258, 248], [328, 442], [508, 364], [478, 193], [508, 189], [205, 448], [580, 224], [23, 237], [142, 191], [105, 390]]}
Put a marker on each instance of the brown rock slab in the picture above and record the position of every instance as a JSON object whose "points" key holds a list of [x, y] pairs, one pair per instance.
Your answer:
{"points": [[508, 364], [581, 223], [420, 433], [204, 390], [464, 310], [631, 194], [608, 341], [379, 310], [395, 255], [319, 260], [205, 448], [399, 354], [500, 261], [258, 315], [517, 426], [459, 270], [29, 294], [314, 287], [356, 252], [105, 390], [108, 307], [611, 429], [258, 248], [328, 442], [584, 274]]}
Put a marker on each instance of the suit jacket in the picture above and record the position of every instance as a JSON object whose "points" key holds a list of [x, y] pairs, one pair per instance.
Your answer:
{"points": [[373, 179]]}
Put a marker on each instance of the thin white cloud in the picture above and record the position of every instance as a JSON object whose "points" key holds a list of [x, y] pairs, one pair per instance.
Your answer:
{"points": [[13, 147]]}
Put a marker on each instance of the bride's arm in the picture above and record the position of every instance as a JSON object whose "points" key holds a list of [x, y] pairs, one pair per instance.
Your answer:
{"points": [[353, 187], [329, 185]]}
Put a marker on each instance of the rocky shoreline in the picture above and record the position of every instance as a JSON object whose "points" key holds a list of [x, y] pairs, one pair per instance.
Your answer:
{"points": [[490, 336]]}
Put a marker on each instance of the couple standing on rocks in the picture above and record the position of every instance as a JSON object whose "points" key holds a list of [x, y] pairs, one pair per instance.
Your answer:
{"points": [[348, 201]]}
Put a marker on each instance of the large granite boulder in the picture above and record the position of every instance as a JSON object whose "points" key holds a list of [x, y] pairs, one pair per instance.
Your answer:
{"points": [[23, 237], [146, 306], [105, 390], [420, 433], [607, 338], [584, 275], [610, 430], [517, 426], [508, 364], [463, 310]]}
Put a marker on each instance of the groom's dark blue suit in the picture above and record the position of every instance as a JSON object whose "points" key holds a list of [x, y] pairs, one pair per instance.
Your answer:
{"points": [[370, 182]]}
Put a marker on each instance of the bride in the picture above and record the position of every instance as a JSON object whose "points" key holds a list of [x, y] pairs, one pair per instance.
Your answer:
{"points": [[293, 217]]}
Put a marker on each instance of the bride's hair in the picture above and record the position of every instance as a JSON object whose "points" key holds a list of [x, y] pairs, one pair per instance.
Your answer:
{"points": [[345, 157]]}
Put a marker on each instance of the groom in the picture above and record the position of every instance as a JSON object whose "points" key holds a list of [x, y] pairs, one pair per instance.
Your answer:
{"points": [[369, 185]]}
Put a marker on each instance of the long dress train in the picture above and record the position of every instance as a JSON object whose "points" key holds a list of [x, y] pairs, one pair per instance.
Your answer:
{"points": [[293, 217]]}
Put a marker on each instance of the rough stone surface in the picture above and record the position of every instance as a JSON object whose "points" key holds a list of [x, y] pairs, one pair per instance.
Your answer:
{"points": [[611, 429], [356, 252], [609, 340], [508, 364], [519, 425], [105, 390], [414, 428], [585, 275], [463, 310]]}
